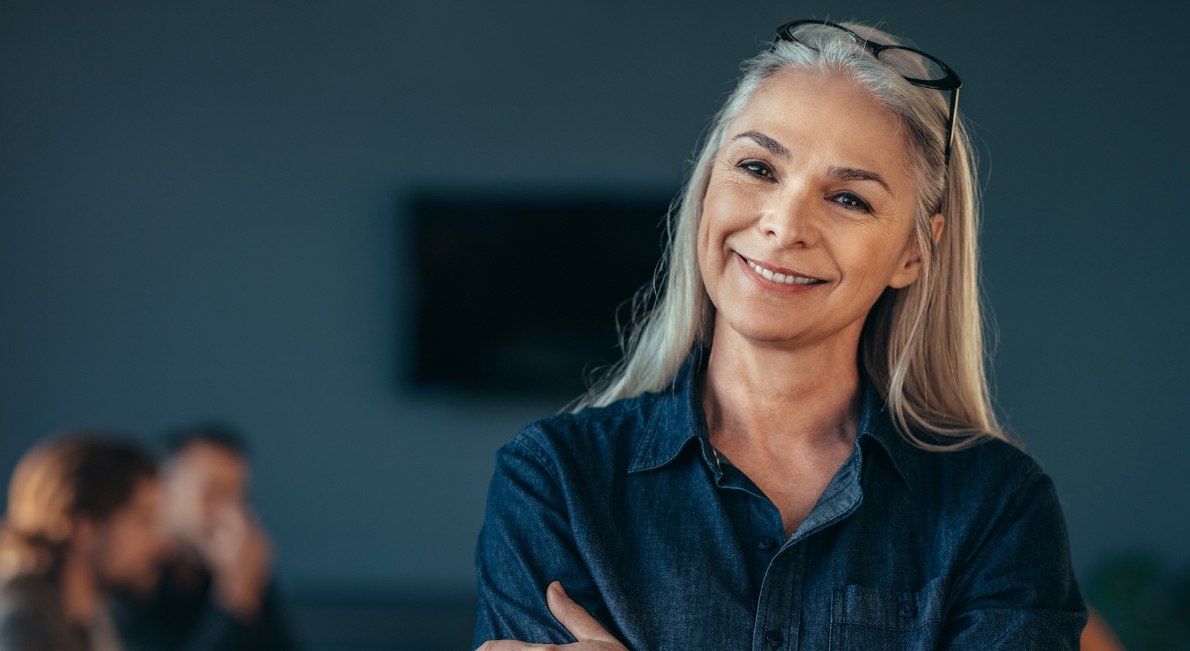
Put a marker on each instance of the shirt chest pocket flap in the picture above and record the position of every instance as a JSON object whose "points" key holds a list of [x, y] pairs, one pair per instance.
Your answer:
{"points": [[874, 618]]}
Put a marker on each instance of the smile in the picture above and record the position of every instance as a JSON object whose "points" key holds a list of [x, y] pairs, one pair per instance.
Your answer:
{"points": [[787, 279]]}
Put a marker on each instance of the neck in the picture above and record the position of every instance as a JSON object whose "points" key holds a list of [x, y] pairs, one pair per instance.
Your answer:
{"points": [[778, 397], [80, 590]]}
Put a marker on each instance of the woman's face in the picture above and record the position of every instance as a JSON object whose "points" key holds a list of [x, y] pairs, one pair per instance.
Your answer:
{"points": [[808, 213]]}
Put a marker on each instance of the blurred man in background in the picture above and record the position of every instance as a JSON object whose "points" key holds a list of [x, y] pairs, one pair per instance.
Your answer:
{"points": [[82, 524], [215, 589]]}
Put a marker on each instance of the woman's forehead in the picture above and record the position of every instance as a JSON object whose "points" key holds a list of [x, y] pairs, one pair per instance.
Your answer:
{"points": [[826, 116]]}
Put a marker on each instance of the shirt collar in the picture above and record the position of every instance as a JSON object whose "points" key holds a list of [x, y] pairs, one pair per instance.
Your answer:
{"points": [[875, 425], [678, 419]]}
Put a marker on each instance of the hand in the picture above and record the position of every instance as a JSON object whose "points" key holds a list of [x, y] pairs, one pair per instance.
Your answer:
{"points": [[585, 628], [240, 556]]}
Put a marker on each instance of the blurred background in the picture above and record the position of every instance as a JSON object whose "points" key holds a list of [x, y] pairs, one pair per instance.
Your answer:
{"points": [[212, 209]]}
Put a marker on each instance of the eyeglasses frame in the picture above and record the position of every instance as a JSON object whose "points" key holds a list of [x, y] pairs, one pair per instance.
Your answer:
{"points": [[950, 82]]}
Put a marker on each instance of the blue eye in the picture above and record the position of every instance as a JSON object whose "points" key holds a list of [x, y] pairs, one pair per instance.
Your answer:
{"points": [[756, 168], [851, 201]]}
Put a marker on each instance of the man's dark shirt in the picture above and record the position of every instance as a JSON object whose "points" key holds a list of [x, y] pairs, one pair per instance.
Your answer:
{"points": [[181, 615]]}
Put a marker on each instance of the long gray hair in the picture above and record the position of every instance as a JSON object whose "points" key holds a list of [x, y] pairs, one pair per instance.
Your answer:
{"points": [[922, 345]]}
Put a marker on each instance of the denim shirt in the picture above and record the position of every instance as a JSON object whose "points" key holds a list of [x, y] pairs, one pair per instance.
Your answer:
{"points": [[629, 507]]}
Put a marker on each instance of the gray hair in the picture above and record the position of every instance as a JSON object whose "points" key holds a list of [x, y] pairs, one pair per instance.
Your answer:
{"points": [[922, 345]]}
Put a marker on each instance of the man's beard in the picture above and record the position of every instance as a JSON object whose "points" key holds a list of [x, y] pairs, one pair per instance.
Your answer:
{"points": [[128, 587], [111, 582]]}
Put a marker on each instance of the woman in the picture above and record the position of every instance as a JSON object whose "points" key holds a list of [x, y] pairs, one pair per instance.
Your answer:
{"points": [[798, 448], [82, 525]]}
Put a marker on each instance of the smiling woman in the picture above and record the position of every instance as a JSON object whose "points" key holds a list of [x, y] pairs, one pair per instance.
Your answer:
{"points": [[799, 247], [798, 447]]}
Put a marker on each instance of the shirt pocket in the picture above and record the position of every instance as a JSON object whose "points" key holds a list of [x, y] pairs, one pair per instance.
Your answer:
{"points": [[874, 618]]}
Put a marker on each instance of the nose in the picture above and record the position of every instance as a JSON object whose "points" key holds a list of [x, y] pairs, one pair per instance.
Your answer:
{"points": [[788, 219]]}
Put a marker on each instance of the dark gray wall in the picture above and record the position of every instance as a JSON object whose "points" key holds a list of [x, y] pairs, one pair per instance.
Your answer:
{"points": [[199, 215]]}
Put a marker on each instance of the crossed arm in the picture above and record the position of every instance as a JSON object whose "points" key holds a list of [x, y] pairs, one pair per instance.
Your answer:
{"points": [[1017, 587], [586, 629]]}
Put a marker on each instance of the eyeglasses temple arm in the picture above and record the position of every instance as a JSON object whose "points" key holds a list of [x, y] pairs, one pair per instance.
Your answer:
{"points": [[954, 116]]}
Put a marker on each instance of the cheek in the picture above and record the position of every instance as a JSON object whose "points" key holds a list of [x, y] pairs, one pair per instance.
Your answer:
{"points": [[720, 211], [118, 551], [723, 204], [209, 502], [141, 546], [709, 257], [876, 263]]}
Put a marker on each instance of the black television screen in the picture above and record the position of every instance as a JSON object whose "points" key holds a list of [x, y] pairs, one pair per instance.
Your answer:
{"points": [[520, 295]]}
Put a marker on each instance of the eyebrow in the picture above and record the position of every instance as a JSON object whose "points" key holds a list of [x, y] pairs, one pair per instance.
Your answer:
{"points": [[836, 173], [774, 147], [857, 174]]}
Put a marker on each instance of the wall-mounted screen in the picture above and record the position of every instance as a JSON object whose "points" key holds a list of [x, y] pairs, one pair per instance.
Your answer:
{"points": [[518, 295]]}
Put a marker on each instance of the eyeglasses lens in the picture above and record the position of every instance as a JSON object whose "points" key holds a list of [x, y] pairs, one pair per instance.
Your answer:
{"points": [[911, 64], [907, 63]]}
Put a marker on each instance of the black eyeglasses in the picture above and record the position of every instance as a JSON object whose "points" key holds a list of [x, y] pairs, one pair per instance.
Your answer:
{"points": [[917, 67]]}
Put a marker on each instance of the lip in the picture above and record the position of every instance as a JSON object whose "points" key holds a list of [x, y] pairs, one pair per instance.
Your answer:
{"points": [[774, 286]]}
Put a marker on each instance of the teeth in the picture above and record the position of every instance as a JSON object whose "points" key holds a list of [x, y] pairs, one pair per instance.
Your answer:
{"points": [[781, 278]]}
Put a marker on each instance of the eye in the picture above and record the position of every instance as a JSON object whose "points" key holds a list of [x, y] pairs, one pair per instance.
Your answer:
{"points": [[851, 201], [756, 168]]}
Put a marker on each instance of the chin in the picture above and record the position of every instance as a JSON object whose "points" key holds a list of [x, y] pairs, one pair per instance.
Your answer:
{"points": [[762, 333]]}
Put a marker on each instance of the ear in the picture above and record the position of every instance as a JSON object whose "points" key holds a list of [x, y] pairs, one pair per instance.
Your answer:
{"points": [[937, 225], [909, 269]]}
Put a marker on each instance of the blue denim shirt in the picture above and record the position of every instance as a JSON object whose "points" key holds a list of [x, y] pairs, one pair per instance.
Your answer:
{"points": [[629, 508]]}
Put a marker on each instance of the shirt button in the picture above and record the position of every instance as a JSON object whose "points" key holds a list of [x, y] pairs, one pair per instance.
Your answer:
{"points": [[773, 638], [765, 543], [907, 610]]}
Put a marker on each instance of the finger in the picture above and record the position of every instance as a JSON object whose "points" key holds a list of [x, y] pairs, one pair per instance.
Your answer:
{"points": [[235, 518], [512, 645], [578, 621]]}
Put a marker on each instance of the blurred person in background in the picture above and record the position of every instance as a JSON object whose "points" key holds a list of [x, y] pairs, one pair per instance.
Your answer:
{"points": [[215, 588], [82, 525]]}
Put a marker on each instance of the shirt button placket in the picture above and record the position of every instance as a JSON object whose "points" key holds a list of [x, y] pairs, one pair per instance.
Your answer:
{"points": [[778, 617], [766, 548]]}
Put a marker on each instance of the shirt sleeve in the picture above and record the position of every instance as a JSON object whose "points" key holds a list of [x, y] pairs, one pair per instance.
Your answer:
{"points": [[26, 625], [23, 631], [1019, 591], [525, 544]]}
